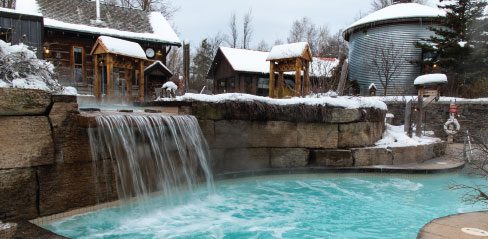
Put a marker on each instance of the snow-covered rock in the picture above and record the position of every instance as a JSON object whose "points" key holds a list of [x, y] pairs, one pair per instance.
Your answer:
{"points": [[20, 68], [431, 79], [394, 136], [69, 90], [340, 101], [170, 86]]}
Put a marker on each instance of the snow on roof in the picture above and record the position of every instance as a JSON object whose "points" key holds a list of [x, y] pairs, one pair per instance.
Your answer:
{"points": [[430, 79], [340, 101], [122, 47], [287, 51], [246, 60], [372, 85], [162, 28], [399, 11], [29, 7], [323, 66], [158, 63], [113, 32]]}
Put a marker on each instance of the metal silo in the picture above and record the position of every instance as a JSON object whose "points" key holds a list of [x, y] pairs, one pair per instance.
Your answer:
{"points": [[382, 45]]}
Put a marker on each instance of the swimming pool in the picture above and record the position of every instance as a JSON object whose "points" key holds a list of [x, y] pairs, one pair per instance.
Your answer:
{"points": [[287, 206]]}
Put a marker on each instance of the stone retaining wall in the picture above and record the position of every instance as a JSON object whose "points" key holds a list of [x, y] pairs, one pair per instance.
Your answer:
{"points": [[473, 117], [45, 166]]}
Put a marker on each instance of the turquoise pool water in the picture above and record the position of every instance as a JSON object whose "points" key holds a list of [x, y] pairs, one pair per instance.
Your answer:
{"points": [[291, 206]]}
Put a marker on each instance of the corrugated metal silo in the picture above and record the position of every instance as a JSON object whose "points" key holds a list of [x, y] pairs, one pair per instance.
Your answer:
{"points": [[382, 45]]}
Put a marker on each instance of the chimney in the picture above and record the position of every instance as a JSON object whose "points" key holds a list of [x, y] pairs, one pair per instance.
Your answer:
{"points": [[97, 3]]}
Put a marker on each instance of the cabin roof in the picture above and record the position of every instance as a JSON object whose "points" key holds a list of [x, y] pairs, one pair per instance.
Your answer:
{"points": [[119, 47], [321, 66], [158, 65], [80, 16], [292, 50]]}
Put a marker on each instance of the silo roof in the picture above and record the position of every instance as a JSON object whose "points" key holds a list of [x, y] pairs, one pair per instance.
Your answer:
{"points": [[399, 11]]}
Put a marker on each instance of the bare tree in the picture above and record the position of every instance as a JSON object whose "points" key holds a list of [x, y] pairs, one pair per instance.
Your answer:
{"points": [[247, 30], [263, 46], [322, 72], [316, 36], [386, 64], [234, 34], [7, 3], [380, 4]]}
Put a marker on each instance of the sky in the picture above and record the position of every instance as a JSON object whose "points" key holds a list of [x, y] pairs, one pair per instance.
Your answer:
{"points": [[272, 19]]}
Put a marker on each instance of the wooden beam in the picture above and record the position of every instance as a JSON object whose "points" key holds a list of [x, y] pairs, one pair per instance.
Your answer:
{"points": [[96, 84], [128, 84], [110, 82], [271, 80], [418, 130], [298, 77], [281, 85], [306, 78], [141, 81]]}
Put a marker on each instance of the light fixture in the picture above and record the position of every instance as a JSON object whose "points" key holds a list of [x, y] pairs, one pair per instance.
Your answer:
{"points": [[434, 66], [46, 50]]}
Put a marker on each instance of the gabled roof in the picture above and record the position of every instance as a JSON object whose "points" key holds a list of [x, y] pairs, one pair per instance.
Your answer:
{"points": [[119, 47], [292, 50], [80, 16], [246, 60], [323, 67], [159, 65]]}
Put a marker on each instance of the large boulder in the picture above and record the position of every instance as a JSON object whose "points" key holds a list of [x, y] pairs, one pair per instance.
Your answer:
{"points": [[26, 141], [333, 158], [17, 194], [24, 102], [318, 135], [289, 157]]}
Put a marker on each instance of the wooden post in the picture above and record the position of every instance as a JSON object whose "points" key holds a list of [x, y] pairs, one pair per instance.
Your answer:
{"points": [[96, 84], [298, 77], [306, 79], [110, 82], [141, 81], [407, 128], [343, 79], [271, 92], [418, 130], [281, 84], [128, 84]]}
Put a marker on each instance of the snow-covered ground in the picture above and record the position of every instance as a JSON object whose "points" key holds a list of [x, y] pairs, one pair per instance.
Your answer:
{"points": [[332, 100], [394, 136]]}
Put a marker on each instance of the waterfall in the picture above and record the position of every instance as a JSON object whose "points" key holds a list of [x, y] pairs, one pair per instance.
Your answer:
{"points": [[150, 153]]}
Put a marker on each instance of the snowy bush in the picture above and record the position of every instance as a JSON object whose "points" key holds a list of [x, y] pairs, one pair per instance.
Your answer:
{"points": [[20, 68]]}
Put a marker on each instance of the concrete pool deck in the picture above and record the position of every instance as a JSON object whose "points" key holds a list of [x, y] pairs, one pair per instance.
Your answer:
{"points": [[454, 226]]}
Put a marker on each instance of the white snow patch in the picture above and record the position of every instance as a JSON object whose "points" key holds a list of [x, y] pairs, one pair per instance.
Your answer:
{"points": [[431, 79], [29, 7], [170, 86], [30, 82], [287, 51], [321, 67], [246, 60], [340, 101], [52, 23], [394, 136], [390, 115], [371, 86], [160, 63], [123, 47], [399, 11], [162, 28], [69, 90], [462, 43], [4, 84]]}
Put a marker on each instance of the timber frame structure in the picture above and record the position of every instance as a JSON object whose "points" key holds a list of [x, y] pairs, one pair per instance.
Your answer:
{"points": [[133, 68], [297, 64]]}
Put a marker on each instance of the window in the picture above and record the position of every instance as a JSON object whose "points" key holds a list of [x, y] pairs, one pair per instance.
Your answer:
{"points": [[263, 86], [78, 53], [6, 34]]}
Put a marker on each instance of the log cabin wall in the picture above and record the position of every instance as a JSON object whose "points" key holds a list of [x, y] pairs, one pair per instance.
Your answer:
{"points": [[62, 48]]}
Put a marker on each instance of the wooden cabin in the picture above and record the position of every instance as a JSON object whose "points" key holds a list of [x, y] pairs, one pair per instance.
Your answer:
{"points": [[247, 71], [71, 28]]}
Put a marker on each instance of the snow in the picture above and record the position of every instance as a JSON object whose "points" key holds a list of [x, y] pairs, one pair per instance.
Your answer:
{"points": [[287, 51], [69, 90], [338, 101], [400, 11], [20, 68], [170, 86], [462, 43], [162, 28], [372, 86], [323, 66], [431, 79], [246, 60], [123, 47], [394, 136], [28, 7], [160, 63], [52, 23]]}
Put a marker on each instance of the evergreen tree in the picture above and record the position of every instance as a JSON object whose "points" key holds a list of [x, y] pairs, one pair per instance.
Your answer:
{"points": [[201, 64], [455, 48]]}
